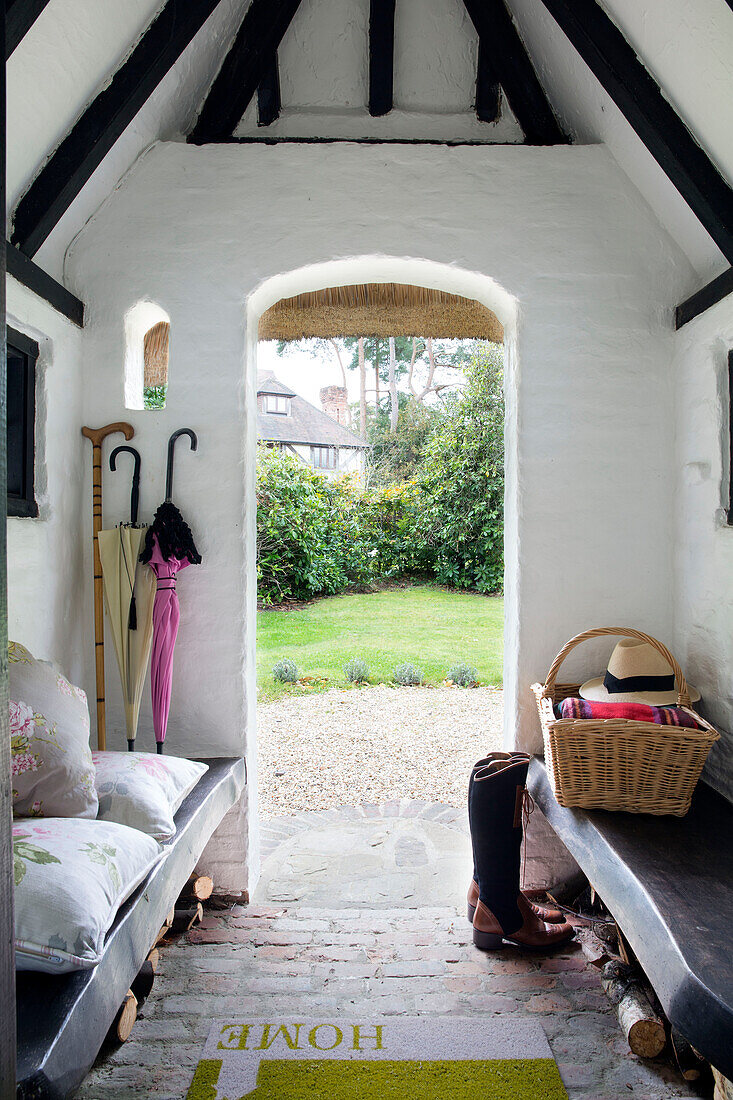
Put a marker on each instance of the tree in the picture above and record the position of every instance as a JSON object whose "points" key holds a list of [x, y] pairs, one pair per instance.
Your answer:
{"points": [[396, 456], [394, 409], [318, 348], [461, 480], [362, 388]]}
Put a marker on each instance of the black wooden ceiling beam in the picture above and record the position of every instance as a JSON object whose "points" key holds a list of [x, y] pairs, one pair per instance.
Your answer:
{"points": [[613, 61], [488, 89], [244, 68], [708, 296], [35, 279], [515, 73], [20, 15], [85, 147], [269, 103], [381, 56]]}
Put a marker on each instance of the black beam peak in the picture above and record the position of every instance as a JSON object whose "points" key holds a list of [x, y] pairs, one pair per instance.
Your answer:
{"points": [[268, 94], [514, 71], [488, 89], [244, 68], [381, 56]]}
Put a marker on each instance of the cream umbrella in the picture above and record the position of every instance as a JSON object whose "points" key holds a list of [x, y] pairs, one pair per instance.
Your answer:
{"points": [[129, 592]]}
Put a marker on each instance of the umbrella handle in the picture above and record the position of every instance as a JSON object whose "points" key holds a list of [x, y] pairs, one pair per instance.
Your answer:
{"points": [[97, 436], [135, 493], [171, 448]]}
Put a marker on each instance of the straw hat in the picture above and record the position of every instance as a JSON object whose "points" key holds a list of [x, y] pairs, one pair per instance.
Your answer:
{"points": [[636, 673]]}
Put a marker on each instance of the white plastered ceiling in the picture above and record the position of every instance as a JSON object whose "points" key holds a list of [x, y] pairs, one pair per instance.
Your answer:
{"points": [[76, 45]]}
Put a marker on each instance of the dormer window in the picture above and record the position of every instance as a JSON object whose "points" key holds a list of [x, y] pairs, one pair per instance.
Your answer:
{"points": [[275, 403]]}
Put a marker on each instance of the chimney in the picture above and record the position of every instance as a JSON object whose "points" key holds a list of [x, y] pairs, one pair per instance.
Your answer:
{"points": [[335, 402]]}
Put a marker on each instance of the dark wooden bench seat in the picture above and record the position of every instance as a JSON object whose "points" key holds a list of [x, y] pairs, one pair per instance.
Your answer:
{"points": [[669, 883], [63, 1019]]}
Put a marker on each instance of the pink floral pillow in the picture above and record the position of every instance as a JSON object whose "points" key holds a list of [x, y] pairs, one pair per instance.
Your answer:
{"points": [[52, 773], [71, 876], [144, 790]]}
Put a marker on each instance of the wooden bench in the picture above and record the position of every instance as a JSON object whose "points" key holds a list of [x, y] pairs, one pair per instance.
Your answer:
{"points": [[668, 881], [63, 1019]]}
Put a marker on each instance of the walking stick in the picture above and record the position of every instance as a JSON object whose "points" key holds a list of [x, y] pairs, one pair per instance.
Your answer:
{"points": [[97, 435]]}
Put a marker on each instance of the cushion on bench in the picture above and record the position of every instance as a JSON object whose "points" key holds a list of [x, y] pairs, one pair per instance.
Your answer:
{"points": [[71, 876], [51, 762], [144, 790]]}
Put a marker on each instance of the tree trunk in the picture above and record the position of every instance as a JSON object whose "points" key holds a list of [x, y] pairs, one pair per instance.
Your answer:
{"points": [[394, 409], [376, 374], [362, 390]]}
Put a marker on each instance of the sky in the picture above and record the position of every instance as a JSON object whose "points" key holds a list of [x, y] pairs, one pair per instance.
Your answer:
{"points": [[303, 372], [306, 374]]}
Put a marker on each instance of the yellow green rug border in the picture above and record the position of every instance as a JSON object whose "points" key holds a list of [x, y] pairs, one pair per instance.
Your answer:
{"points": [[382, 1079]]}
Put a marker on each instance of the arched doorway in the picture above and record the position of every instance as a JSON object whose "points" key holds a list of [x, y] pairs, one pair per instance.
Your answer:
{"points": [[309, 300]]}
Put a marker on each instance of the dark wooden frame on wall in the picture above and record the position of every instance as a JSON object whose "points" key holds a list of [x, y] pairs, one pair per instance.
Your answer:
{"points": [[729, 510], [23, 503], [7, 955]]}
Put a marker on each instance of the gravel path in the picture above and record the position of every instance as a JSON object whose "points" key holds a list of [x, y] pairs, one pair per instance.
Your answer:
{"points": [[373, 744]]}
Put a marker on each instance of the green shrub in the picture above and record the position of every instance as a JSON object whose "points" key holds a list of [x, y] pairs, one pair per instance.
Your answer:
{"points": [[320, 537], [462, 674], [154, 396], [408, 675], [356, 671], [286, 671]]}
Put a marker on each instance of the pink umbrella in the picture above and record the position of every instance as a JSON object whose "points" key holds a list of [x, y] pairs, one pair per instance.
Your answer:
{"points": [[169, 548]]}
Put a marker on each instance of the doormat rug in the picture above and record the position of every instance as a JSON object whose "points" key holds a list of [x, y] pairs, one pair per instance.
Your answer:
{"points": [[387, 1058]]}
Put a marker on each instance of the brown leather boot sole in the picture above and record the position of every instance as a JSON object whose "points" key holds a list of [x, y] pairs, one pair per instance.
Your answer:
{"points": [[549, 916], [534, 935]]}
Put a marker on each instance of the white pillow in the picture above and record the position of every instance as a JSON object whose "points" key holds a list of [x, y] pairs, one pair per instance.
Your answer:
{"points": [[71, 876], [51, 763], [144, 790]]}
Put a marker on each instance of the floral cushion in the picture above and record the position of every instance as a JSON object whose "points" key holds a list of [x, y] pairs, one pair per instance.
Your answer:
{"points": [[51, 762], [71, 876], [144, 790]]}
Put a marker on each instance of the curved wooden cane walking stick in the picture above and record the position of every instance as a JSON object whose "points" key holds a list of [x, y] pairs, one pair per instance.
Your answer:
{"points": [[97, 435]]}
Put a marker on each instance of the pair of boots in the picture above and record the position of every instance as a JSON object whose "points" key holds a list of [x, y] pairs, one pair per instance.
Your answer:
{"points": [[497, 907]]}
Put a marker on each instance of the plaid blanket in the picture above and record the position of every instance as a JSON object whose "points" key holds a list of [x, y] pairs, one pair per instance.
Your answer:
{"points": [[635, 712]]}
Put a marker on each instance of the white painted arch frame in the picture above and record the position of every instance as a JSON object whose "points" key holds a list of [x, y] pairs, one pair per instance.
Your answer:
{"points": [[416, 272]]}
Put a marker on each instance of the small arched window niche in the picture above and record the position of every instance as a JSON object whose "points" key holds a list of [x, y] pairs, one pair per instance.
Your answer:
{"points": [[147, 337]]}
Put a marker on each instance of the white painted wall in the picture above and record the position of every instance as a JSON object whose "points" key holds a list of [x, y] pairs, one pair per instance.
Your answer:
{"points": [[590, 398], [46, 554], [703, 541]]}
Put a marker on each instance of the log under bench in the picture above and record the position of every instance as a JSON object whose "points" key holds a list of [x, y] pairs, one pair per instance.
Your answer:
{"points": [[63, 1019], [668, 881]]}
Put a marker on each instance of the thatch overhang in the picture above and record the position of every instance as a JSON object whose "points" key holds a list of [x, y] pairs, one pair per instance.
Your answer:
{"points": [[379, 309]]}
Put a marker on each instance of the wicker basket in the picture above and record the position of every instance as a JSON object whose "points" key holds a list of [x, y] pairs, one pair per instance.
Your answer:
{"points": [[614, 763]]}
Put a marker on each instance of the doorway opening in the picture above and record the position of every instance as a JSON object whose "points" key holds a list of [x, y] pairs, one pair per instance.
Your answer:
{"points": [[363, 749]]}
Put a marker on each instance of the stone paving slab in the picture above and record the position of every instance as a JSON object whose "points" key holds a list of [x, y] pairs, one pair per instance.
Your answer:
{"points": [[361, 857]]}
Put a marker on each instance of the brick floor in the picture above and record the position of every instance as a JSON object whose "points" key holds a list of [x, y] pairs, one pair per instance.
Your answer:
{"points": [[294, 959]]}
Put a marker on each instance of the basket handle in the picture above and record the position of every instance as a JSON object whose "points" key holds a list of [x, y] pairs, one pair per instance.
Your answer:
{"points": [[683, 695]]}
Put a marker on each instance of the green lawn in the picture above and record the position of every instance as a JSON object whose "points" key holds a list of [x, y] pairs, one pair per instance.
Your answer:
{"points": [[429, 626]]}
